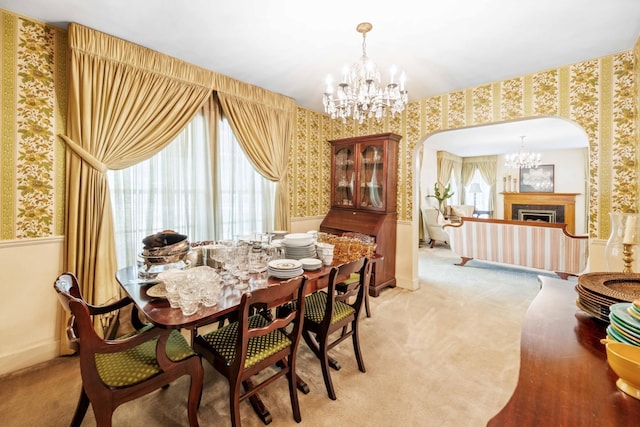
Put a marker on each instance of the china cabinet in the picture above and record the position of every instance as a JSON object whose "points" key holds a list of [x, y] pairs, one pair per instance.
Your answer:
{"points": [[364, 173], [364, 182]]}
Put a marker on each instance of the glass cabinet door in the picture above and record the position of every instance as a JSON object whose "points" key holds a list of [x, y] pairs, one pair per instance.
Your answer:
{"points": [[344, 177], [371, 178]]}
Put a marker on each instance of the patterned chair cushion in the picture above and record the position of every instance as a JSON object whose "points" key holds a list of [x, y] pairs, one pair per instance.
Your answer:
{"points": [[353, 278], [137, 364], [223, 342], [316, 304]]}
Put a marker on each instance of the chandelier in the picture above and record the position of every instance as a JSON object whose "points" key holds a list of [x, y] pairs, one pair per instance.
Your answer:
{"points": [[359, 94], [522, 159]]}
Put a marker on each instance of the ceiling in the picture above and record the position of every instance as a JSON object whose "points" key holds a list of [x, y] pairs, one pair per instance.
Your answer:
{"points": [[290, 46]]}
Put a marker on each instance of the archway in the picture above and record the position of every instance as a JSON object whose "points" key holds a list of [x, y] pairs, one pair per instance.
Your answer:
{"points": [[544, 134]]}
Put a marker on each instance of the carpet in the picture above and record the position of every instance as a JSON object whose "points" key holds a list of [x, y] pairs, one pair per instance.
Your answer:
{"points": [[444, 355]]}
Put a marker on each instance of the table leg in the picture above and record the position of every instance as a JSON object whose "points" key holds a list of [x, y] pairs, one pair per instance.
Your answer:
{"points": [[257, 404]]}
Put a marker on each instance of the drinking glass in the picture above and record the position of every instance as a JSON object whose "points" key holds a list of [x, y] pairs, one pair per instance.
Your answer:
{"points": [[173, 280], [210, 293], [189, 298]]}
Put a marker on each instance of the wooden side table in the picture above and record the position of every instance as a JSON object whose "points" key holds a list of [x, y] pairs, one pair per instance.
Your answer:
{"points": [[564, 379]]}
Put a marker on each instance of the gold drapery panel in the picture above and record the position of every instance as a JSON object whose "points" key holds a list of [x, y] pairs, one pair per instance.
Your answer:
{"points": [[127, 102], [265, 132]]}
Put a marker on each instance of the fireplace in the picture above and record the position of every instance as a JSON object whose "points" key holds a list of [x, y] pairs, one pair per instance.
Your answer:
{"points": [[547, 207], [540, 213], [537, 215]]}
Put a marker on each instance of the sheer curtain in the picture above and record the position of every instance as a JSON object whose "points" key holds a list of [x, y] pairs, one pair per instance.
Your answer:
{"points": [[171, 190], [174, 190], [245, 199]]}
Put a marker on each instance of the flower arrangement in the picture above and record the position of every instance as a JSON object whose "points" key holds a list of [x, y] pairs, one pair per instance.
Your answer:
{"points": [[441, 197]]}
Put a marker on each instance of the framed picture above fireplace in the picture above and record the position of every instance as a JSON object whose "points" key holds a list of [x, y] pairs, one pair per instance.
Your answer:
{"points": [[537, 180]]}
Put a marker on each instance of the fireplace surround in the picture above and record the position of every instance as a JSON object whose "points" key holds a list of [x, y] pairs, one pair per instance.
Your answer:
{"points": [[541, 207]]}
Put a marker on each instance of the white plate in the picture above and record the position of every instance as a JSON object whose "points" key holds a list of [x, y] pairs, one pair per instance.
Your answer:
{"points": [[157, 291], [284, 264], [298, 239], [310, 262], [286, 274]]}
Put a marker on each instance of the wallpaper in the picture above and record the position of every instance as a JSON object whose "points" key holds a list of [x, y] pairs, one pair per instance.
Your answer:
{"points": [[601, 95], [33, 99]]}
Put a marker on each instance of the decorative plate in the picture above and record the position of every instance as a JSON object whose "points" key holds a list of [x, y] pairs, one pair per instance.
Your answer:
{"points": [[284, 264], [621, 286], [157, 291]]}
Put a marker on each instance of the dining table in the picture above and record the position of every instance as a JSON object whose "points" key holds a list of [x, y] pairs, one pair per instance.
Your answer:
{"points": [[159, 312]]}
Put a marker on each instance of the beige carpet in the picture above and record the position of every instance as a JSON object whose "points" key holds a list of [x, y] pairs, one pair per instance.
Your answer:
{"points": [[445, 355]]}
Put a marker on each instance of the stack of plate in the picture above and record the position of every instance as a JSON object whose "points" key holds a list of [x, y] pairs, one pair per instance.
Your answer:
{"points": [[311, 263], [284, 268], [625, 323], [299, 252], [597, 292]]}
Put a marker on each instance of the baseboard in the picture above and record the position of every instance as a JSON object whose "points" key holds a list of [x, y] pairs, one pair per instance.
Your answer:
{"points": [[408, 283], [27, 357]]}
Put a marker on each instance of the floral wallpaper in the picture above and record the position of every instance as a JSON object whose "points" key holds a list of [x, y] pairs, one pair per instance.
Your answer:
{"points": [[601, 95], [33, 110]]}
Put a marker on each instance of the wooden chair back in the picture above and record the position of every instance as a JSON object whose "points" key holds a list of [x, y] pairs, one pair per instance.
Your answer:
{"points": [[258, 340], [154, 357], [337, 309]]}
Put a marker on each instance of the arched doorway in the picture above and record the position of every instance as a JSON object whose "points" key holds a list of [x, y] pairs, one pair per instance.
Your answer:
{"points": [[544, 134]]}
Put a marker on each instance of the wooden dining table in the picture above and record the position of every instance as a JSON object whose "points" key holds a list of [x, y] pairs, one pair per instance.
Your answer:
{"points": [[160, 313]]}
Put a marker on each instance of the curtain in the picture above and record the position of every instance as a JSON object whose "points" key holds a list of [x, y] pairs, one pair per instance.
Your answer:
{"points": [[265, 132], [446, 164], [125, 103], [150, 196], [488, 168], [449, 166], [245, 198]]}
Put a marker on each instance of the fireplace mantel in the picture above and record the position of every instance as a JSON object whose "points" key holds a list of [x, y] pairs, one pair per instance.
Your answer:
{"points": [[568, 200]]}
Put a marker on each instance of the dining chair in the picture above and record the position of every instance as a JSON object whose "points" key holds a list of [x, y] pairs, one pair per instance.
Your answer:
{"points": [[329, 311], [369, 240], [258, 341], [115, 371]]}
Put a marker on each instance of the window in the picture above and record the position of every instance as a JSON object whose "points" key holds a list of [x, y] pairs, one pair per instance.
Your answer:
{"points": [[455, 199], [246, 199], [481, 199], [174, 190]]}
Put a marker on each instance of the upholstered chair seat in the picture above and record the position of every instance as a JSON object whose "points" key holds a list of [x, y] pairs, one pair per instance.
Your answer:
{"points": [[223, 342], [135, 365]]}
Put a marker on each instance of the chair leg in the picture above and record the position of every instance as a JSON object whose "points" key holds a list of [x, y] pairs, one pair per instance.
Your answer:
{"points": [[103, 415], [81, 409], [324, 363], [356, 346], [366, 302], [293, 390], [195, 392], [234, 403]]}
